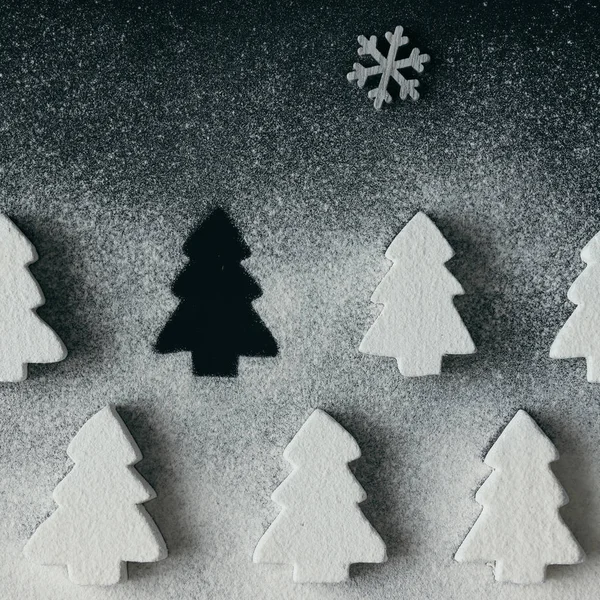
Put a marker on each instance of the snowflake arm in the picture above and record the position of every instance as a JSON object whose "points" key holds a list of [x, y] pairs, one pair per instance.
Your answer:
{"points": [[415, 61], [360, 73], [380, 95], [396, 40], [369, 46]]}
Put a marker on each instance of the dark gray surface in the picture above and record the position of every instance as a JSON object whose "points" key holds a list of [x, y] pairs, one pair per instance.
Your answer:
{"points": [[120, 128]]}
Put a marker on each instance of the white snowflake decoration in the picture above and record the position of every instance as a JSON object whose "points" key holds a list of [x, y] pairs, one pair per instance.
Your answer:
{"points": [[388, 67]]}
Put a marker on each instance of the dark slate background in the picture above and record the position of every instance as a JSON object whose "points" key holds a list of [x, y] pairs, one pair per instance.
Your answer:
{"points": [[122, 124]]}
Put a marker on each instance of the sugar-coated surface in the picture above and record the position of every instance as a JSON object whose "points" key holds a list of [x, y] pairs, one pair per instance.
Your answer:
{"points": [[120, 127]]}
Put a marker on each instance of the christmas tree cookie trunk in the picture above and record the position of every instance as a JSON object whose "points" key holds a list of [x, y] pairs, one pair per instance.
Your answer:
{"points": [[320, 572], [96, 570], [420, 365], [214, 363], [593, 369], [12, 371], [518, 570]]}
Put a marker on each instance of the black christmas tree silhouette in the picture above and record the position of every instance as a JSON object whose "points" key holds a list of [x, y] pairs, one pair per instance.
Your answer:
{"points": [[215, 320]]}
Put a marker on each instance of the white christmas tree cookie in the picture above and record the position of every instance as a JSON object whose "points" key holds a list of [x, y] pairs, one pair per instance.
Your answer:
{"points": [[24, 337], [419, 322], [321, 529], [99, 525], [580, 335], [520, 530]]}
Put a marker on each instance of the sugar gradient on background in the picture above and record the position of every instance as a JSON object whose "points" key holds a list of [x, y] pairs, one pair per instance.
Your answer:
{"points": [[121, 128]]}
